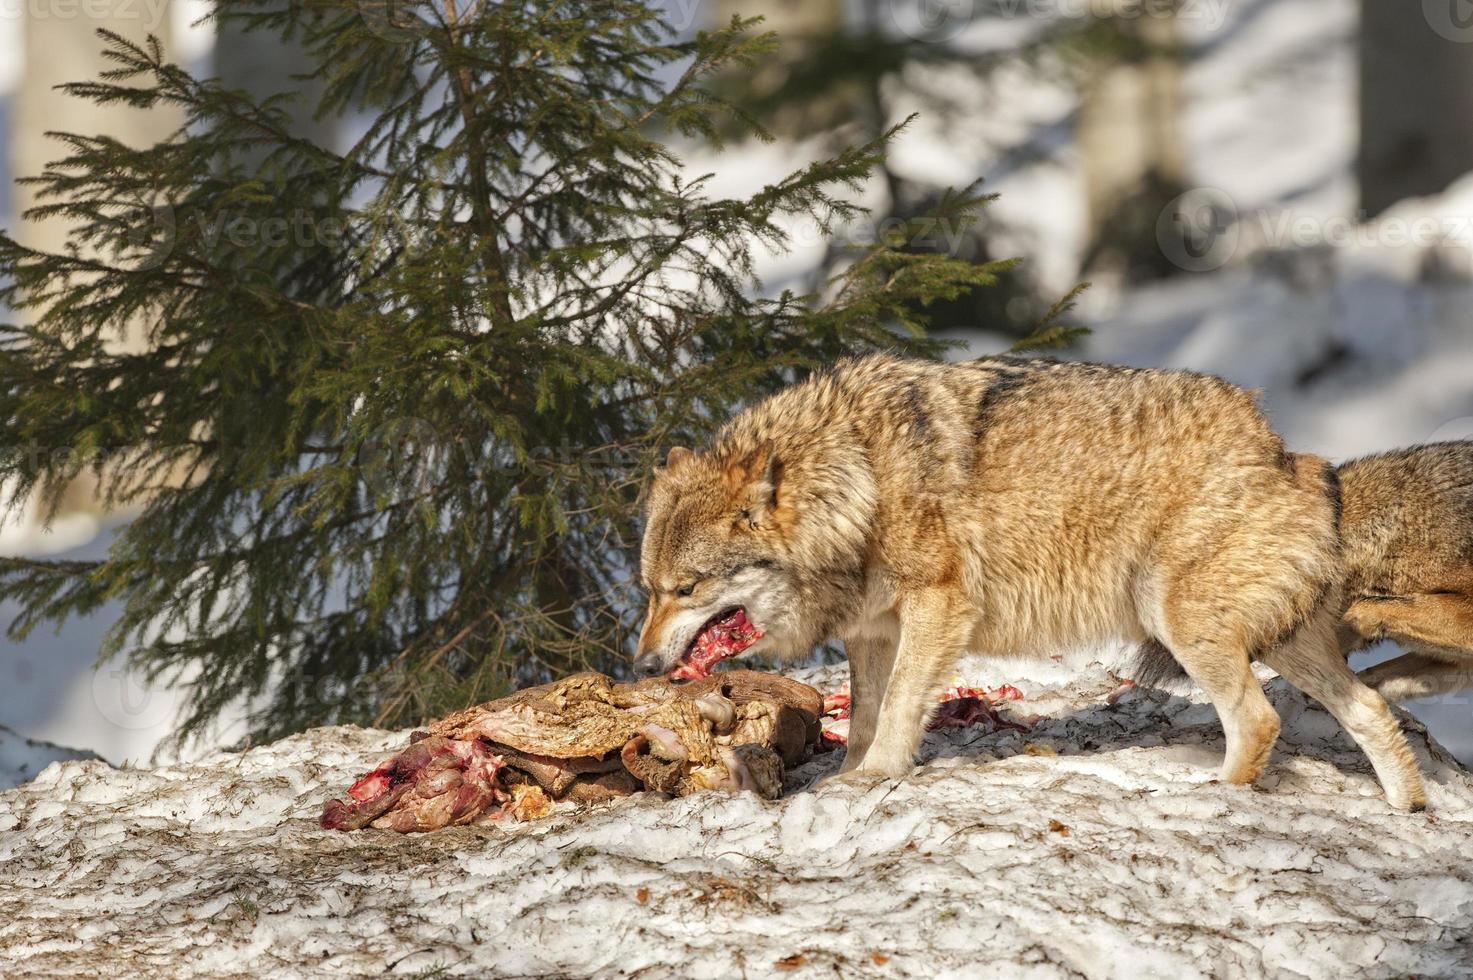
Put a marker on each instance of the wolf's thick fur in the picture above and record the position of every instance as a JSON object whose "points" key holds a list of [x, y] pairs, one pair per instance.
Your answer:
{"points": [[1408, 531], [916, 510]]}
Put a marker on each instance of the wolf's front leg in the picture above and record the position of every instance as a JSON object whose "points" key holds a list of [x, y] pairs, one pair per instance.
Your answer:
{"points": [[933, 630], [870, 661]]}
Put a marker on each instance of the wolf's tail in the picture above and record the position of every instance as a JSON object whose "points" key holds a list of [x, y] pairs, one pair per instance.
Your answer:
{"points": [[1153, 666]]}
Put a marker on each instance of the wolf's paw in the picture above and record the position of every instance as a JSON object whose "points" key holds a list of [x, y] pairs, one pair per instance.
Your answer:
{"points": [[1408, 799], [874, 767]]}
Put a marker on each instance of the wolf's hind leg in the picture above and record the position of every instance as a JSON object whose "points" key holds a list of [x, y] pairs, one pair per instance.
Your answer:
{"points": [[933, 630], [1417, 675], [1312, 662], [1213, 641], [870, 661], [1442, 620], [1248, 721]]}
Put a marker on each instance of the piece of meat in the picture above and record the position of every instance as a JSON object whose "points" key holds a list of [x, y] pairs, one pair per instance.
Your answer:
{"points": [[965, 707], [777, 726], [528, 802], [563, 730], [960, 707], [718, 640], [434, 783], [584, 739], [556, 776], [643, 765], [603, 787]]}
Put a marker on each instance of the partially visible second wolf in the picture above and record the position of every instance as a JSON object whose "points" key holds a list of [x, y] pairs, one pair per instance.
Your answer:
{"points": [[916, 510], [1407, 526]]}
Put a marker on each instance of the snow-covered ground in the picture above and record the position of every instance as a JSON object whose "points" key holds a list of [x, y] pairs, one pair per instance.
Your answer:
{"points": [[1097, 845]]}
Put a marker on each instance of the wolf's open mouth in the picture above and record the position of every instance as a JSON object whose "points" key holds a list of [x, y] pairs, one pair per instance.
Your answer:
{"points": [[724, 636]]}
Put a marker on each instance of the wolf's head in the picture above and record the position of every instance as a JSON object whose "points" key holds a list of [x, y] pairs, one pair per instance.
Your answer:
{"points": [[712, 562], [728, 558]]}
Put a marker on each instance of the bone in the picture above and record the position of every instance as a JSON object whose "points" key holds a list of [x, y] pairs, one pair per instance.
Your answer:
{"points": [[719, 710]]}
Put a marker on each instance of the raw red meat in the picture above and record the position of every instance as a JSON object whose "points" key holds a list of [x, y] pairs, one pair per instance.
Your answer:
{"points": [[436, 782], [720, 640], [961, 707]]}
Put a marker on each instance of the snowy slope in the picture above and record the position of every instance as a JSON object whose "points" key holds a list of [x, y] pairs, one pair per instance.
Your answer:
{"points": [[1119, 856], [21, 758]]}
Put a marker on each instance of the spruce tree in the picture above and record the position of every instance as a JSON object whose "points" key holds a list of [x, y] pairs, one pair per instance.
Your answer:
{"points": [[385, 410]]}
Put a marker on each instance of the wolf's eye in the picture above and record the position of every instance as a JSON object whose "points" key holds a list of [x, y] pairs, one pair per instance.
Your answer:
{"points": [[686, 590]]}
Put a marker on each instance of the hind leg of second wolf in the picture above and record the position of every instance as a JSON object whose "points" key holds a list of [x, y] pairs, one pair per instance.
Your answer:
{"points": [[1416, 675], [870, 661], [1311, 661], [1441, 620], [1437, 629]]}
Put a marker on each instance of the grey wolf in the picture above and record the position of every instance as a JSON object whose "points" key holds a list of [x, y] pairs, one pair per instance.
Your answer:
{"points": [[916, 510]]}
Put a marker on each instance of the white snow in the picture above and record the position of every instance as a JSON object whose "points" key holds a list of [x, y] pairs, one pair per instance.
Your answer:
{"points": [[1097, 845]]}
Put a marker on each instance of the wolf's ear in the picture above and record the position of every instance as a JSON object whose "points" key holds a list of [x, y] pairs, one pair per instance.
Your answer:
{"points": [[673, 460], [754, 480]]}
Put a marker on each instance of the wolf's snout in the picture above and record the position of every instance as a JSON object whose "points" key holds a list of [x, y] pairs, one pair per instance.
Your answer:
{"points": [[649, 665]]}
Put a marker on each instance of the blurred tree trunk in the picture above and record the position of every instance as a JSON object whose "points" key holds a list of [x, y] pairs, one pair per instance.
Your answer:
{"points": [[790, 18], [1130, 141], [62, 47], [1416, 99]]}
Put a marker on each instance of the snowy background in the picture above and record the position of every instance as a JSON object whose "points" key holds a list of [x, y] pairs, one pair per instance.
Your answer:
{"points": [[1357, 332]]}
